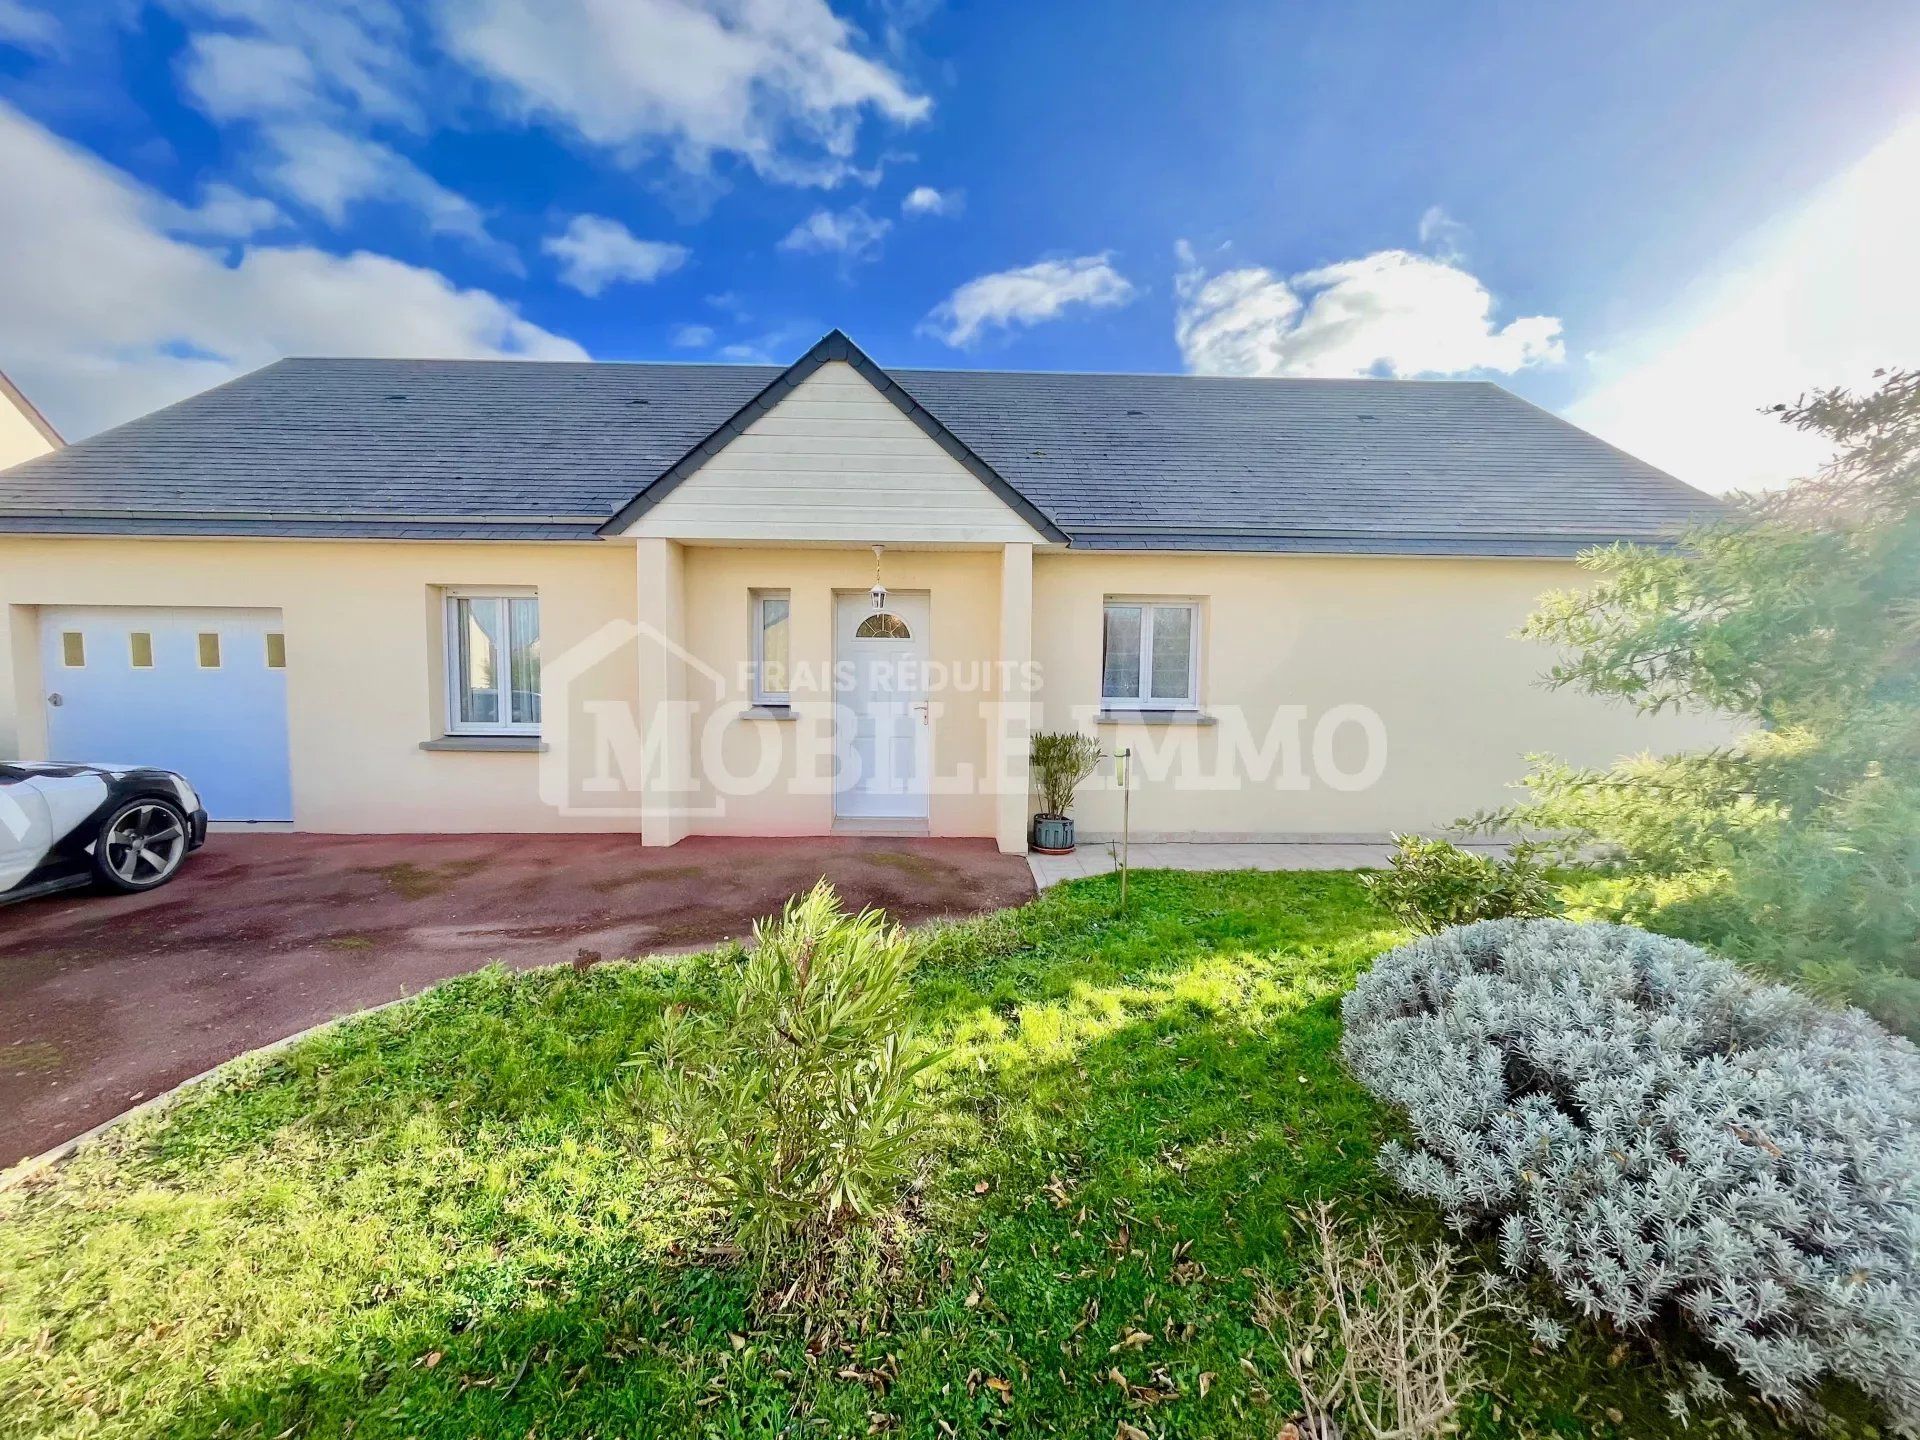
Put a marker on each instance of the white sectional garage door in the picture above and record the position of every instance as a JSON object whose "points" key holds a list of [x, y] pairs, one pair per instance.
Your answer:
{"points": [[200, 691]]}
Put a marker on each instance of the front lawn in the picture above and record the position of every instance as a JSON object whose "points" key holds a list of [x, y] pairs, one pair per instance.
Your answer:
{"points": [[439, 1220]]}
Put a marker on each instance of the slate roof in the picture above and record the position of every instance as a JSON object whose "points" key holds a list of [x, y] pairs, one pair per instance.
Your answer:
{"points": [[481, 449]]}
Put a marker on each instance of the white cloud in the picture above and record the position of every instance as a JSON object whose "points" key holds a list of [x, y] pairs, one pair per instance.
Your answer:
{"points": [[693, 337], [775, 346], [109, 316], [311, 80], [225, 213], [1390, 313], [595, 252], [1027, 296], [851, 233], [925, 200], [267, 57], [1820, 296], [778, 83], [230, 77], [1442, 235], [331, 172], [26, 28]]}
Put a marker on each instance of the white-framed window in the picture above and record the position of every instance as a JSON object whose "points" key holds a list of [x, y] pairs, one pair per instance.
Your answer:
{"points": [[772, 625], [493, 662], [1150, 655]]}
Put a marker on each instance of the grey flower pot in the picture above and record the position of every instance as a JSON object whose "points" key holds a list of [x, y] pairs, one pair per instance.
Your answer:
{"points": [[1053, 834]]}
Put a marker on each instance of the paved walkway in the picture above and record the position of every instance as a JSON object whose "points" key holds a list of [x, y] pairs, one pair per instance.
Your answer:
{"points": [[1096, 858]]}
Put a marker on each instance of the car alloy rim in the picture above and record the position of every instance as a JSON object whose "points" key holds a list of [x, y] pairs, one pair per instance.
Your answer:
{"points": [[145, 844]]}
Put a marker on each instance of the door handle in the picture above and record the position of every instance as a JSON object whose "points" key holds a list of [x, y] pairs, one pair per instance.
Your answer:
{"points": [[55, 699]]}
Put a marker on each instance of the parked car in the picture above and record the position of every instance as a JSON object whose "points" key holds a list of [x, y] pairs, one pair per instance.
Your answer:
{"points": [[124, 827]]}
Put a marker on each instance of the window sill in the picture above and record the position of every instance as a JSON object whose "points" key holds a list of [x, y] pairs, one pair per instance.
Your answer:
{"points": [[488, 744], [767, 712], [1153, 717]]}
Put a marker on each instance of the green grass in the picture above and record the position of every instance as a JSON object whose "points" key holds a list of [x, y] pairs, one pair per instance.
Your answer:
{"points": [[438, 1220]]}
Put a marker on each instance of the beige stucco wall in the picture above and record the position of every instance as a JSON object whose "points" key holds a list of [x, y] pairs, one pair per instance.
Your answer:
{"points": [[1426, 645], [20, 438], [363, 649]]}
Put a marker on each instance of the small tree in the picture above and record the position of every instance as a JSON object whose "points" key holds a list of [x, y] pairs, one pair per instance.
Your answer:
{"points": [[1061, 761], [792, 1101], [1800, 613]]}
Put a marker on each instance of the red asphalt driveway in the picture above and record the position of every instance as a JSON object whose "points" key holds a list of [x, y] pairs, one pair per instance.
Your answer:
{"points": [[105, 1001]]}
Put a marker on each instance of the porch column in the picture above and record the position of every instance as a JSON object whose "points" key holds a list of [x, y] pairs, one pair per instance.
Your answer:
{"points": [[665, 721], [1014, 732]]}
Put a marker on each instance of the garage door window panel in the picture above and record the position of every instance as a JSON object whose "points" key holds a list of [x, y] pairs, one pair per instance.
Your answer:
{"points": [[493, 659]]}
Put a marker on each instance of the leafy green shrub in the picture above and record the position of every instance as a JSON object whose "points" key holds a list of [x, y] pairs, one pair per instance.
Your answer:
{"points": [[1429, 885], [1061, 761], [1664, 1138], [792, 1099], [1797, 614]]}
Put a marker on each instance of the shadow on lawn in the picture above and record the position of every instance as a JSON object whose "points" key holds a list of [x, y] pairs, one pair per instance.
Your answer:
{"points": [[1168, 1083], [1132, 1109], [553, 1046], [1154, 1108]]}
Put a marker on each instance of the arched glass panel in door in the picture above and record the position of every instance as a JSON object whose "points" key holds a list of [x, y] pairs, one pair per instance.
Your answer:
{"points": [[883, 626]]}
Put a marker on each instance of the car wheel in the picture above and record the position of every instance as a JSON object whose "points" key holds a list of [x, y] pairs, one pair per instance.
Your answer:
{"points": [[140, 845]]}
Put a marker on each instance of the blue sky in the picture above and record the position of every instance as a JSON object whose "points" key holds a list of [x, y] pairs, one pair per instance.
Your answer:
{"points": [[1651, 217]]}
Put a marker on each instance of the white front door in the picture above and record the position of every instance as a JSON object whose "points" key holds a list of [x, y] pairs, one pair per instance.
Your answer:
{"points": [[198, 691], [883, 736]]}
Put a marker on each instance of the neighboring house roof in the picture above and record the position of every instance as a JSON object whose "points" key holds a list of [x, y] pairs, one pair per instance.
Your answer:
{"points": [[29, 412], [512, 449]]}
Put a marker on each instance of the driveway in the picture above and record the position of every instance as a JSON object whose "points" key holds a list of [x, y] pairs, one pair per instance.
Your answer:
{"points": [[105, 1001]]}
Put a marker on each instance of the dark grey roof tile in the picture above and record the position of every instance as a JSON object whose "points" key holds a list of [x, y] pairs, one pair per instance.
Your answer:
{"points": [[526, 449]]}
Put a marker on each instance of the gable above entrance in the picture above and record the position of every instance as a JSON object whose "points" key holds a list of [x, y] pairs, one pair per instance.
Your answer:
{"points": [[833, 451]]}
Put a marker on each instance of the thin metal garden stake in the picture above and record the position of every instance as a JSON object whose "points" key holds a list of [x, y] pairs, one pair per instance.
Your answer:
{"points": [[1126, 821]]}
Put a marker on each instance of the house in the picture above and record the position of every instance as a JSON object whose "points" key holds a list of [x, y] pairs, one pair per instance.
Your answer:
{"points": [[24, 431], [413, 595]]}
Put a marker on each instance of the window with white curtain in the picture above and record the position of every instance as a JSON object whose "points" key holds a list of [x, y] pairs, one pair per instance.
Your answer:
{"points": [[1150, 657], [493, 663], [771, 625]]}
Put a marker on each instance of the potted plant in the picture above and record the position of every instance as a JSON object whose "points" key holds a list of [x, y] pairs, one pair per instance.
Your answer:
{"points": [[1061, 760]]}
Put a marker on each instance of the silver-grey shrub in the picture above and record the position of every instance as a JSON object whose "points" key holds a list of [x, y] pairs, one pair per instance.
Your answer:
{"points": [[1660, 1134]]}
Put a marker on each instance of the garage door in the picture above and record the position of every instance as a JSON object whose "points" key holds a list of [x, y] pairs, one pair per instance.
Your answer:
{"points": [[200, 691]]}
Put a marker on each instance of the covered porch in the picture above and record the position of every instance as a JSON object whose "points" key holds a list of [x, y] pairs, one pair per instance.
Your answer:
{"points": [[823, 688]]}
